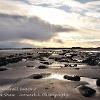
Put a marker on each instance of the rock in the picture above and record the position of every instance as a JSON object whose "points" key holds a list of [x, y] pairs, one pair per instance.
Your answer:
{"points": [[87, 91], [29, 66], [42, 67], [45, 62], [75, 65], [98, 82], [66, 65], [3, 69], [38, 76], [77, 68], [72, 78]]}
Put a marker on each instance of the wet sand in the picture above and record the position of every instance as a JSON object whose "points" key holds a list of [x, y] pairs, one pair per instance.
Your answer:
{"points": [[18, 82]]}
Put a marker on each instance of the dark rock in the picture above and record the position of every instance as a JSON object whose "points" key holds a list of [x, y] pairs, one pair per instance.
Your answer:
{"points": [[72, 78], [38, 76], [75, 65], [42, 60], [42, 67], [3, 69], [29, 66], [47, 63], [46, 88], [87, 91], [77, 68], [98, 82], [66, 65]]}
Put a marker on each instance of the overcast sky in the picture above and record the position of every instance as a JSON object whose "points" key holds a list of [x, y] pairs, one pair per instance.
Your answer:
{"points": [[49, 23]]}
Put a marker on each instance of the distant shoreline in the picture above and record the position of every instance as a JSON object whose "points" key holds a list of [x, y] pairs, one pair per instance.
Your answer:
{"points": [[97, 48]]}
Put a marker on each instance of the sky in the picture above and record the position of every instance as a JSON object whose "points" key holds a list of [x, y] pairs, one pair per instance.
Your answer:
{"points": [[49, 23]]}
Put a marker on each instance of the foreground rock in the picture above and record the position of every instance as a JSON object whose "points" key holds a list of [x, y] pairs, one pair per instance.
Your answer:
{"points": [[72, 78], [42, 67], [98, 82], [87, 91], [37, 76], [3, 69]]}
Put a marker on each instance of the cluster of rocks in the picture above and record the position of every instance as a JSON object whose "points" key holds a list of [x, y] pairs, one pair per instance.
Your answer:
{"points": [[86, 91], [14, 58], [70, 65], [44, 54], [92, 60], [6, 60], [70, 56], [74, 56]]}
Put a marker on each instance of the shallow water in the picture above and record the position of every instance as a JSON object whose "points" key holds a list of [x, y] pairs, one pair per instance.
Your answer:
{"points": [[91, 82], [55, 76]]}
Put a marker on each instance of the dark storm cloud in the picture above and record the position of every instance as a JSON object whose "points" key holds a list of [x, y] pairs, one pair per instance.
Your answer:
{"points": [[16, 27], [14, 44]]}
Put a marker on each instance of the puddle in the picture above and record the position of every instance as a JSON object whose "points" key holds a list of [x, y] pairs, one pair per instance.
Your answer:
{"points": [[55, 76], [92, 82], [59, 77], [56, 65]]}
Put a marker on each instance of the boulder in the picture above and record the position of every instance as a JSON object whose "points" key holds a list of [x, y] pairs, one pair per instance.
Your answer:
{"points": [[38, 76], [87, 91], [72, 78], [3, 69], [98, 82], [42, 67], [75, 65], [45, 62], [66, 65]]}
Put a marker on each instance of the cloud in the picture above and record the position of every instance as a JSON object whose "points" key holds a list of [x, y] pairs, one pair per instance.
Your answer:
{"points": [[14, 44], [15, 26], [49, 22], [86, 1]]}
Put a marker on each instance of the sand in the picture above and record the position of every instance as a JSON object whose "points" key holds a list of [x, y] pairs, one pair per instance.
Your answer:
{"points": [[17, 82]]}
